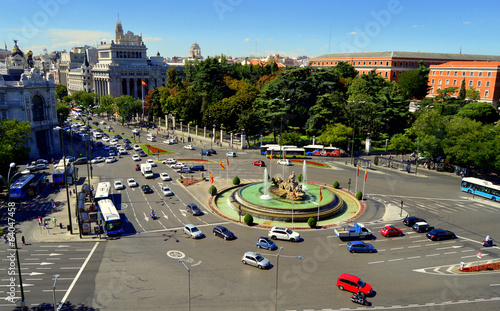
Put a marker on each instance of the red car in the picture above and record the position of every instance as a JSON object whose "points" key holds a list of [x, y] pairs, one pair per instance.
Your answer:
{"points": [[137, 167], [259, 163], [388, 231], [353, 284]]}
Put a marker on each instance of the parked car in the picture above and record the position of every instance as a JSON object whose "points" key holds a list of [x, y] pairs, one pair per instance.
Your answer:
{"points": [[119, 185], [136, 131], [259, 163], [212, 151], [79, 161], [178, 165], [126, 140], [128, 147], [440, 234], [166, 191], [146, 189], [193, 231], [353, 284], [193, 209], [98, 160], [282, 233], [131, 182], [266, 243], [112, 153], [422, 227], [360, 247], [111, 159], [222, 232], [137, 147], [117, 137], [142, 153], [231, 154], [255, 259], [165, 177], [135, 157], [411, 220], [388, 231]]}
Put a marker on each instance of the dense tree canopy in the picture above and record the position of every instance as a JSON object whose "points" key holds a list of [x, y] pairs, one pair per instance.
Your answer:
{"points": [[13, 143]]}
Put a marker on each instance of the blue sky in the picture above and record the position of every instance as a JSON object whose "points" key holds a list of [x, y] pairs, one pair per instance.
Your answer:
{"points": [[246, 28]]}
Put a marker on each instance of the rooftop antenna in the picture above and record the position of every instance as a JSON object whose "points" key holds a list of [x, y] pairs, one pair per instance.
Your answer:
{"points": [[118, 17], [460, 49]]}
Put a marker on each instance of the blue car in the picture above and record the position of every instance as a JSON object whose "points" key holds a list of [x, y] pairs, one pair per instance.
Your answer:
{"points": [[360, 247], [126, 140], [266, 243], [206, 152]]}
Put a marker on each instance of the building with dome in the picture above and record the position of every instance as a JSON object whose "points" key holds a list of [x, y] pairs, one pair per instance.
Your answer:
{"points": [[195, 51], [27, 94]]}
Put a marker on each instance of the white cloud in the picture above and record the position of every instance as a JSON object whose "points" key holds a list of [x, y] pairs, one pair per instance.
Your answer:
{"points": [[467, 23], [247, 40], [352, 33], [151, 39]]}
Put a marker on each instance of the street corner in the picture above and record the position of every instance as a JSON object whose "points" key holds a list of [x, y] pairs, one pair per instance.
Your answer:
{"points": [[393, 213]]}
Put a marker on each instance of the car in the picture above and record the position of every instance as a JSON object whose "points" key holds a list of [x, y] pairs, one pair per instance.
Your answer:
{"points": [[95, 123], [97, 135], [283, 233], [231, 154], [146, 189], [79, 161], [440, 234], [266, 243], [206, 153], [193, 231], [173, 141], [117, 137], [166, 191], [169, 161], [118, 146], [109, 127], [184, 170], [259, 163], [137, 147], [284, 162], [360, 247], [111, 159], [198, 167], [411, 220], [107, 147], [136, 131], [388, 231], [167, 141], [151, 139], [353, 284], [97, 160], [151, 161], [128, 147], [212, 151], [40, 166], [126, 140], [119, 185], [113, 142], [112, 153], [193, 209], [136, 157], [41, 161], [102, 122], [122, 151], [137, 167], [255, 259], [422, 227], [142, 153], [178, 165], [99, 144], [104, 138], [189, 147], [131, 182], [165, 177], [222, 232]]}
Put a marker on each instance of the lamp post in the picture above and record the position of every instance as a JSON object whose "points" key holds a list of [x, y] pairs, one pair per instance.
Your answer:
{"points": [[65, 179], [277, 269], [189, 282], [54, 291], [353, 129]]}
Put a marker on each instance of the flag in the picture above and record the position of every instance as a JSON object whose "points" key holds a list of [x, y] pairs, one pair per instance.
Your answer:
{"points": [[227, 162], [358, 170], [221, 165], [211, 176], [144, 83], [5, 45], [320, 195], [271, 157], [366, 174], [294, 196]]}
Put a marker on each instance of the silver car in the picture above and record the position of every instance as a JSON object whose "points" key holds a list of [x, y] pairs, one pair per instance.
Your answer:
{"points": [[255, 259], [193, 231]]}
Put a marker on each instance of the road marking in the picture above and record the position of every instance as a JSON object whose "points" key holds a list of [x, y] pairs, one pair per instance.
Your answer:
{"points": [[455, 246], [494, 284], [413, 246], [374, 262], [396, 248], [431, 255], [448, 253], [397, 259], [414, 257]]}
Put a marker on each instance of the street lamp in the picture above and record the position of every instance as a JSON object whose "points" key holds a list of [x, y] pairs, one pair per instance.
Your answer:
{"points": [[277, 269], [57, 128], [54, 291], [189, 282], [353, 129]]}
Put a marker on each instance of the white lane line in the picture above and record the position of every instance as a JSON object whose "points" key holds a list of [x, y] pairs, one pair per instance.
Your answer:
{"points": [[63, 300], [494, 284], [448, 253], [397, 259], [413, 246], [431, 255], [396, 248], [414, 257], [374, 262]]}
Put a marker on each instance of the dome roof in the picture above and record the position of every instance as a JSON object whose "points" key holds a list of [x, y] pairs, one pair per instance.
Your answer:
{"points": [[16, 51]]}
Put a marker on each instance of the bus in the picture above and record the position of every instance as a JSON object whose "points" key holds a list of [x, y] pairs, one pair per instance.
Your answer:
{"points": [[36, 184], [481, 187], [102, 191], [109, 215], [19, 189], [263, 148], [285, 152], [58, 175], [76, 112], [310, 149]]}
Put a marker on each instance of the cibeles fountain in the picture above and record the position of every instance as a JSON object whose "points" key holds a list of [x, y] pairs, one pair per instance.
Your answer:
{"points": [[285, 200]]}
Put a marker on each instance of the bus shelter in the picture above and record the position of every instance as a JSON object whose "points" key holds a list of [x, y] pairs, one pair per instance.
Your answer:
{"points": [[363, 163], [391, 163]]}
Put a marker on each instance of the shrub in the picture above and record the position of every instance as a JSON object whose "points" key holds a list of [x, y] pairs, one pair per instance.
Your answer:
{"points": [[248, 219], [336, 185], [299, 178], [212, 190], [311, 222], [236, 181], [359, 195]]}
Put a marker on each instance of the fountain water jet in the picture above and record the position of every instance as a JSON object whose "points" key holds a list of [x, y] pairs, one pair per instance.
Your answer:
{"points": [[304, 177], [266, 195]]}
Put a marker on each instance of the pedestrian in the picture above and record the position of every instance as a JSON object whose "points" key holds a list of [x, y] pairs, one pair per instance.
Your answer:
{"points": [[23, 240], [44, 225], [54, 220], [39, 220]]}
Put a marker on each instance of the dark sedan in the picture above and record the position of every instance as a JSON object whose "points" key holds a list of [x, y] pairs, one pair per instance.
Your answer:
{"points": [[142, 153], [222, 232], [126, 140], [146, 189], [193, 209], [212, 151], [411, 220], [440, 234]]}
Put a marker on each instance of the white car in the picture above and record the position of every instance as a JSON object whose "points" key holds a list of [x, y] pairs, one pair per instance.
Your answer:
{"points": [[231, 154], [135, 131], [178, 165], [151, 161], [102, 122], [169, 161], [131, 182], [98, 160], [137, 147], [135, 157], [168, 142], [97, 135], [284, 162], [109, 127], [283, 233], [165, 177], [151, 139], [189, 147], [111, 159], [112, 153], [113, 142], [166, 191], [119, 185], [122, 151], [104, 138]]}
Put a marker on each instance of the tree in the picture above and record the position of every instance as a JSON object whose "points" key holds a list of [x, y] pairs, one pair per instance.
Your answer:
{"points": [[335, 135], [401, 144], [463, 93], [481, 112], [61, 91], [127, 107], [63, 111], [212, 190], [430, 129], [472, 94], [415, 83], [107, 105], [13, 143], [291, 138]]}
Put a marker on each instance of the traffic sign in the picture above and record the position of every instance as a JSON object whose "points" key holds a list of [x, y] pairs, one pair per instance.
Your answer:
{"points": [[479, 254]]}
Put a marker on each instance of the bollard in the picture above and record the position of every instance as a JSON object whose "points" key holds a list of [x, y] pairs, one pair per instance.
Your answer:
{"points": [[60, 225]]}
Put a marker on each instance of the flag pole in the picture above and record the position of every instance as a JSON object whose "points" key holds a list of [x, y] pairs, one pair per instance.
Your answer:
{"points": [[357, 174], [366, 176], [319, 201]]}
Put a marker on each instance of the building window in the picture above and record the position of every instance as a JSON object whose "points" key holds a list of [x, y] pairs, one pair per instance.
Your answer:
{"points": [[439, 81], [447, 73], [489, 74], [454, 82], [487, 83], [375, 63], [447, 82], [470, 83], [432, 89], [369, 63], [472, 73], [486, 93], [478, 83], [364, 63], [463, 73], [38, 108], [386, 74], [480, 74], [394, 74], [456, 73], [440, 73], [387, 63], [432, 81]]}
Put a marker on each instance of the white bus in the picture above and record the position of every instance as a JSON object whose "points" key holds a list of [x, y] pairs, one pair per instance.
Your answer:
{"points": [[110, 216], [102, 191]]}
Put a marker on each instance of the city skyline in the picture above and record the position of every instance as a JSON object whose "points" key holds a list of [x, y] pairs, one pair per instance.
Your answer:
{"points": [[256, 28]]}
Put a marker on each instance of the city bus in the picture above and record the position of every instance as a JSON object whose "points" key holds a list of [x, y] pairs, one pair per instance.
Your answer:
{"points": [[19, 189], [58, 175], [263, 148], [481, 187], [102, 191], [311, 148], [36, 184], [285, 152], [110, 217]]}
